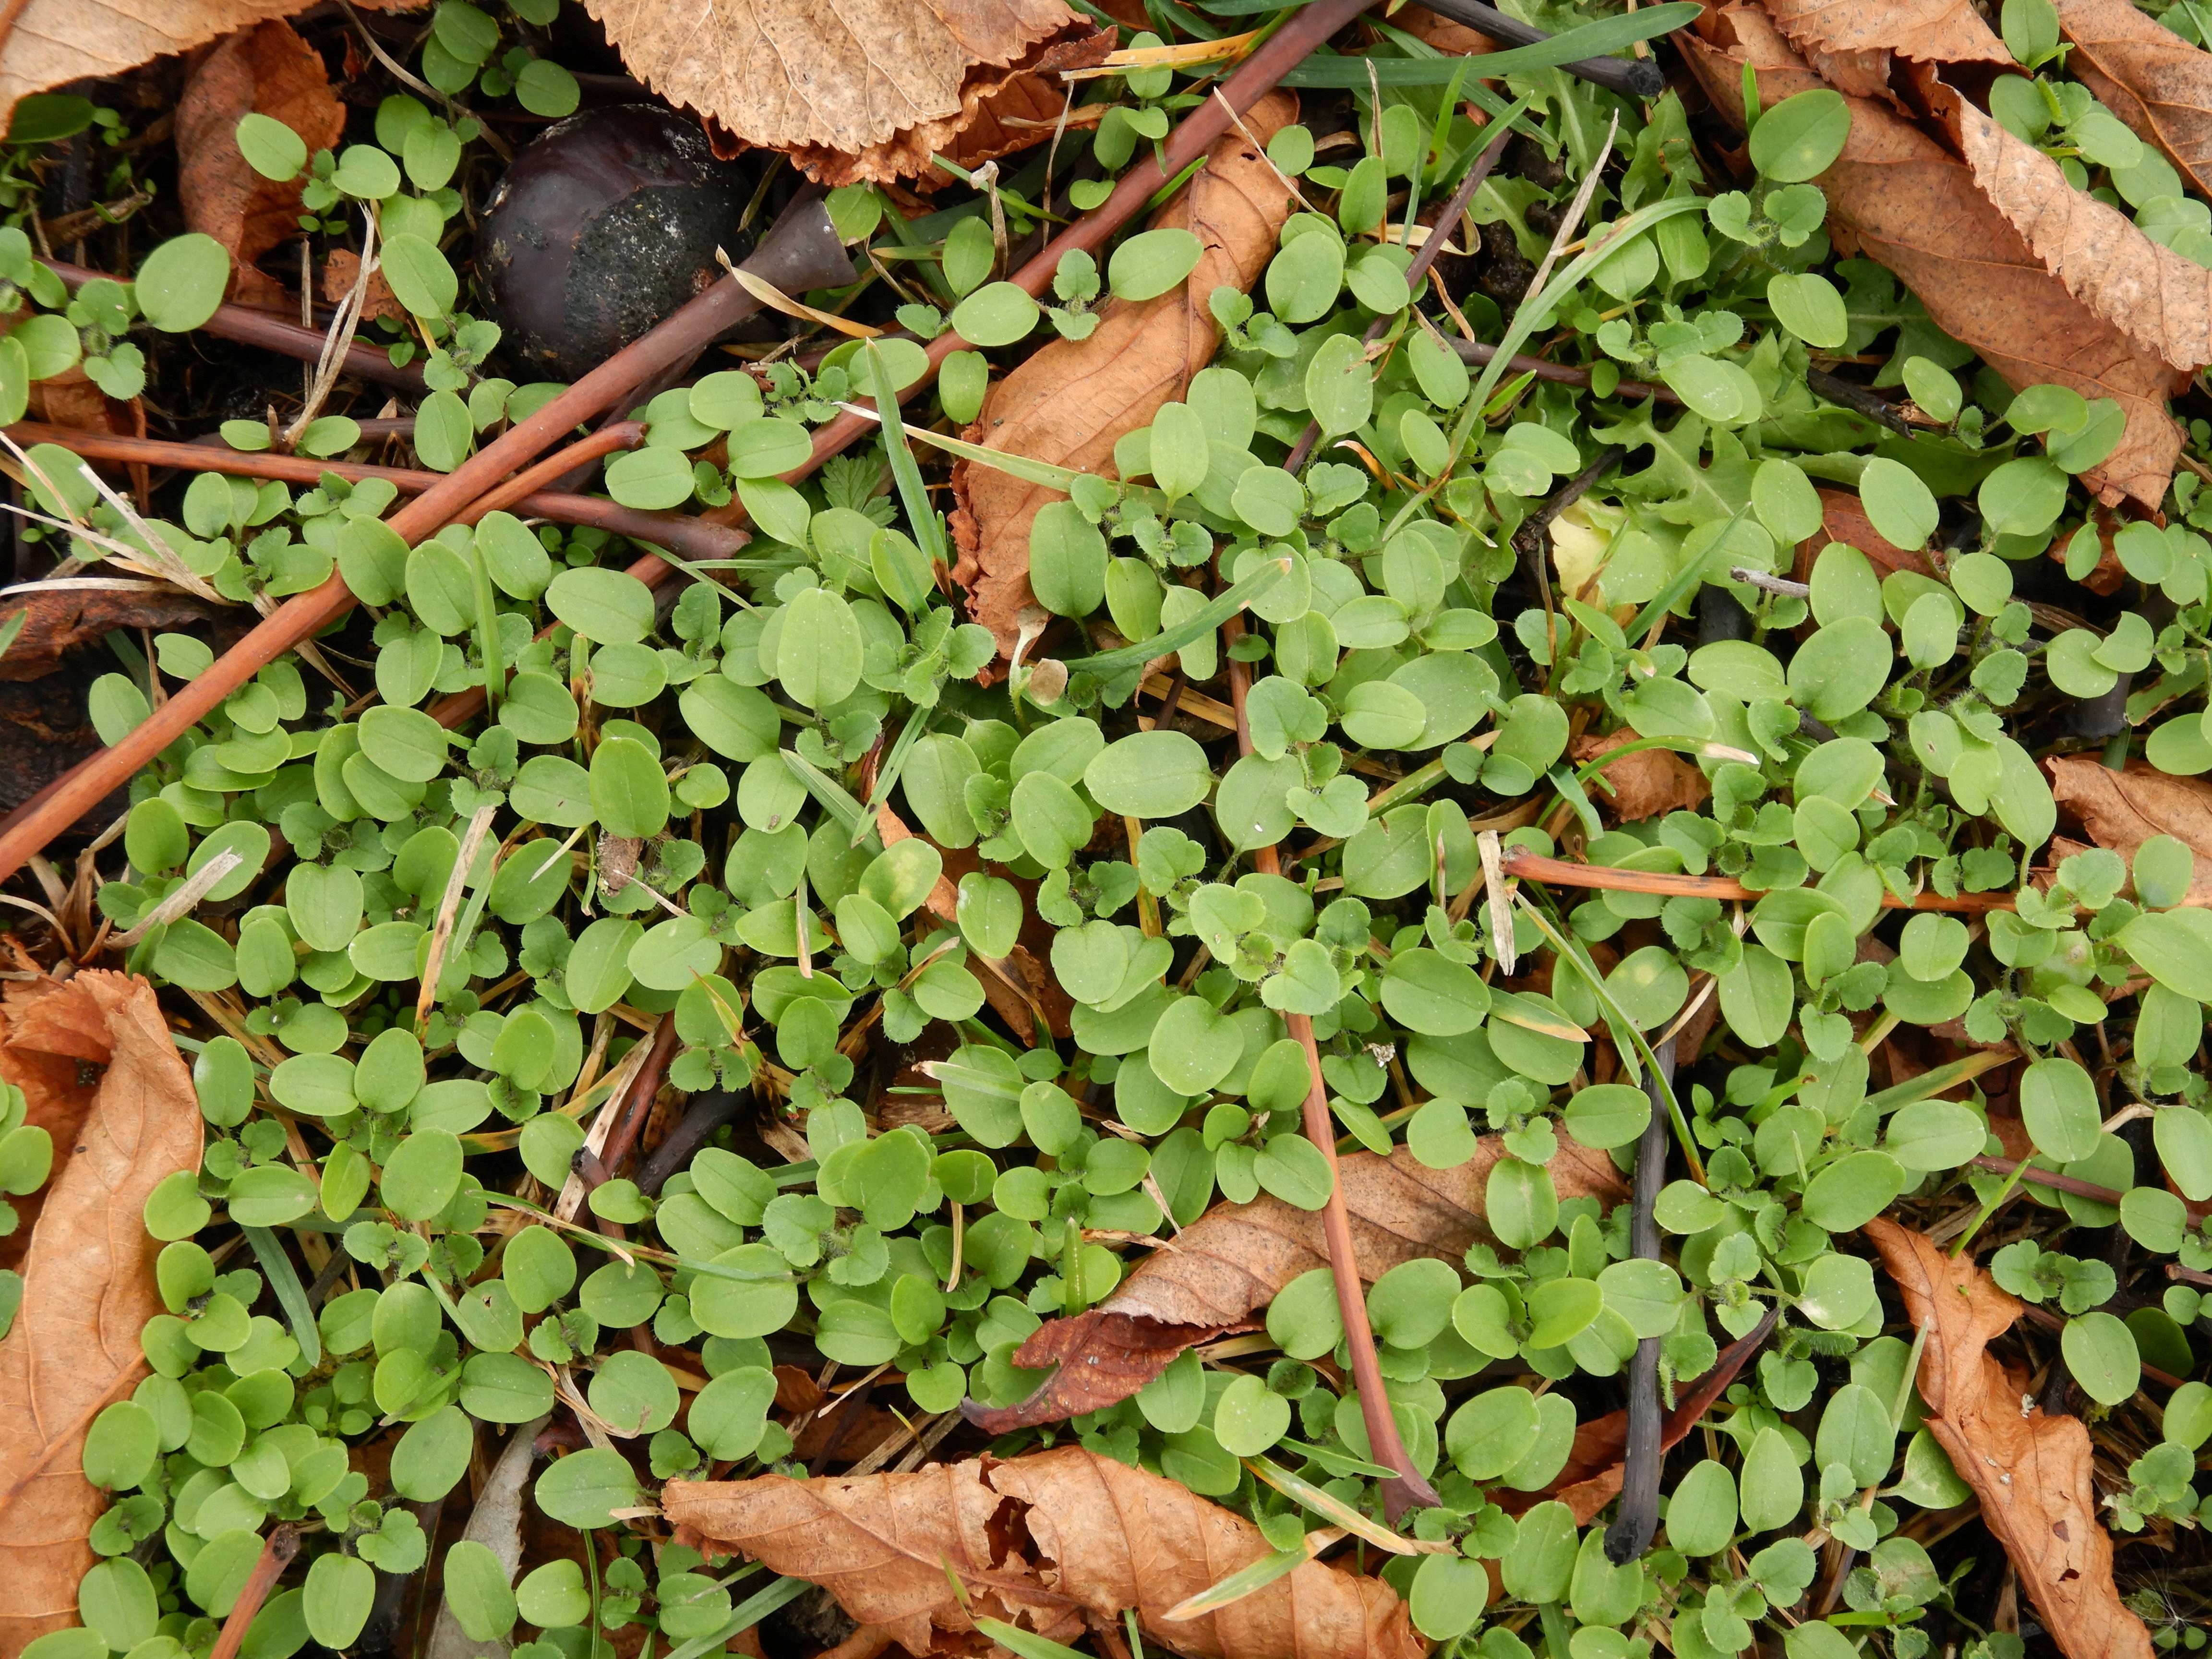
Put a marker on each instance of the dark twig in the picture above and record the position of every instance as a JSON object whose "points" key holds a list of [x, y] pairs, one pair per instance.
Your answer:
{"points": [[706, 1113], [1477, 355], [1439, 233], [1630, 1535], [1632, 77], [1859, 399], [622, 1139]]}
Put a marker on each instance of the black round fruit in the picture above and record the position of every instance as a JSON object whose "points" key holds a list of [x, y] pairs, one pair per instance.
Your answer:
{"points": [[604, 225]]}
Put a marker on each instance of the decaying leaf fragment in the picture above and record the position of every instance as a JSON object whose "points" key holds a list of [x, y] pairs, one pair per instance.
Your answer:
{"points": [[2147, 76], [1059, 1542], [268, 71], [2122, 810], [1902, 199], [858, 91], [1226, 1266], [57, 41], [1851, 42], [2160, 300], [1070, 402], [2031, 1470], [101, 1076], [1645, 784]]}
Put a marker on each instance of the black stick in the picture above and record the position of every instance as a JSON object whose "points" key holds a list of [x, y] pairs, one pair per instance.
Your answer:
{"points": [[706, 1113], [1860, 400], [1633, 77], [1630, 1535]]}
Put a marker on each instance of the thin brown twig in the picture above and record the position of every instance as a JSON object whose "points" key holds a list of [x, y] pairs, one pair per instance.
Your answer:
{"points": [[1566, 872], [277, 1552], [622, 1139]]}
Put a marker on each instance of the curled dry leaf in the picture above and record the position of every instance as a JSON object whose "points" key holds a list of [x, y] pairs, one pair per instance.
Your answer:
{"points": [[64, 617], [867, 90], [2147, 76], [2123, 810], [1853, 42], [57, 41], [2158, 298], [1000, 117], [268, 71], [2031, 1470], [1070, 402], [342, 270], [88, 1269], [1900, 199], [1644, 784], [1059, 1542], [1227, 1266]]}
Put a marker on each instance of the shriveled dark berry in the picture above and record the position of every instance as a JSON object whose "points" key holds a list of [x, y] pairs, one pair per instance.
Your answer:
{"points": [[605, 224]]}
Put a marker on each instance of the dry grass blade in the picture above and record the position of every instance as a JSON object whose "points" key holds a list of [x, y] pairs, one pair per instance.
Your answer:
{"points": [[1245, 1580], [1070, 402], [88, 1266], [1228, 1265], [1058, 1542], [2031, 1470], [2147, 76], [1900, 197]]}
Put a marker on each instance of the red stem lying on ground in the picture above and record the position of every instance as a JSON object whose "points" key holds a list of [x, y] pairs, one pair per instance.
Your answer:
{"points": [[258, 328], [1406, 1490], [622, 1139], [1566, 872], [277, 1552], [2079, 1188], [27, 830], [686, 535]]}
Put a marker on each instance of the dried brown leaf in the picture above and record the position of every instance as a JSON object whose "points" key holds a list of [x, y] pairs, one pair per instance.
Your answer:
{"points": [[1851, 42], [1001, 111], [832, 83], [2158, 298], [1058, 1540], [88, 1271], [342, 269], [2031, 1470], [1900, 197], [2147, 76], [1070, 402], [64, 617], [58, 41], [268, 71], [1226, 1266], [1644, 784], [1843, 519], [2123, 810]]}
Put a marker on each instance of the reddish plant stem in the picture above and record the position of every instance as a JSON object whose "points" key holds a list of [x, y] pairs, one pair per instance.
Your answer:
{"points": [[2079, 1188], [687, 536], [622, 1139], [1406, 1490], [1566, 872], [1254, 80], [31, 827], [277, 1552], [1479, 355], [248, 327], [617, 434]]}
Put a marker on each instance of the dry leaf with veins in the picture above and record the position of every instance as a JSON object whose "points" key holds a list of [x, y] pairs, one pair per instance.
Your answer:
{"points": [[1059, 1542], [2122, 810], [866, 90], [57, 41], [2147, 76], [2029, 1470], [266, 70], [1851, 42], [1226, 1266], [1900, 199], [1072, 398], [2161, 300], [101, 1075]]}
